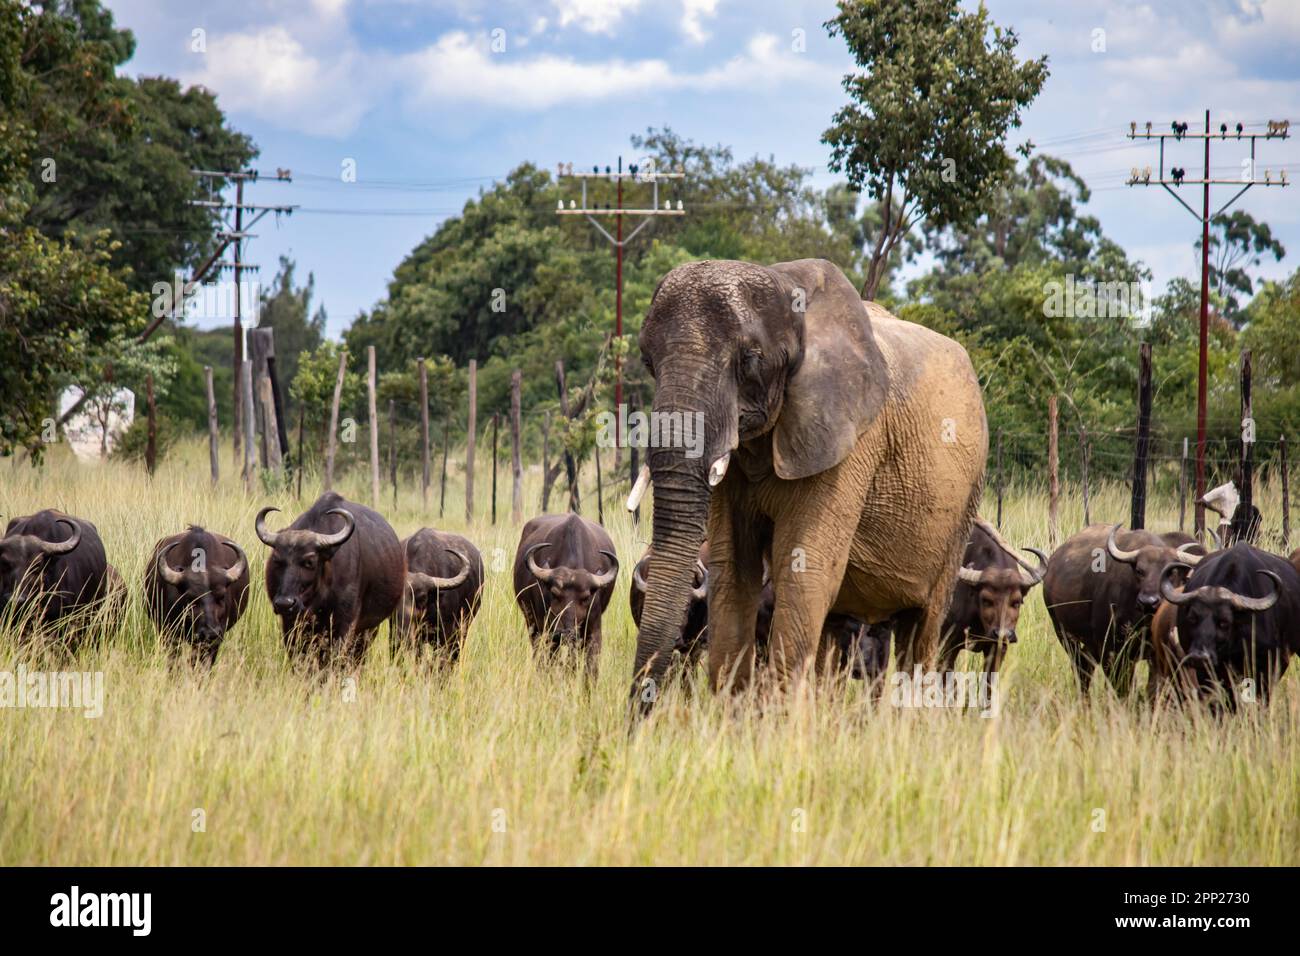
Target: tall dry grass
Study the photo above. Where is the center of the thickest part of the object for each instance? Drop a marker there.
(498, 763)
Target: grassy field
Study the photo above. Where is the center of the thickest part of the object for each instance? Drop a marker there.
(497, 763)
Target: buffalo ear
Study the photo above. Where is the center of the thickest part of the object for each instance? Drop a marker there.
(840, 383)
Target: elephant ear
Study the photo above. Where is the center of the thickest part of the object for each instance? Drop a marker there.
(840, 384)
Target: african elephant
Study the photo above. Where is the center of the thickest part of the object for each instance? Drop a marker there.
(842, 443)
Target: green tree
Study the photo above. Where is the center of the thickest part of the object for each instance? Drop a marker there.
(286, 309)
(1238, 244)
(938, 92)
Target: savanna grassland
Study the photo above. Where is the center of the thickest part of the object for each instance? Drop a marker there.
(499, 763)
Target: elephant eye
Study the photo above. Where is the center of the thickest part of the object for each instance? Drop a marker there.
(751, 362)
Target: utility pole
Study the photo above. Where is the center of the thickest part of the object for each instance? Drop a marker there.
(236, 235)
(1277, 129)
(647, 175)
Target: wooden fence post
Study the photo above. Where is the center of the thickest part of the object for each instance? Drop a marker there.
(334, 422)
(516, 465)
(212, 425)
(392, 448)
(999, 480)
(1182, 488)
(1053, 525)
(424, 435)
(1286, 495)
(1083, 467)
(374, 427)
(570, 467)
(301, 415)
(546, 462)
(1142, 447)
(496, 421)
(261, 348)
(600, 490)
(471, 435)
(151, 444)
(446, 437)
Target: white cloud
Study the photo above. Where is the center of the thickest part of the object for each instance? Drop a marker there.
(693, 12)
(594, 16)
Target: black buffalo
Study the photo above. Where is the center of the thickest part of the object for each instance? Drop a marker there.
(444, 586)
(53, 571)
(333, 577)
(991, 587)
(564, 574)
(693, 639)
(1101, 588)
(1238, 617)
(195, 590)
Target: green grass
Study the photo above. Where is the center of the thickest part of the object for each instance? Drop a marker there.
(499, 763)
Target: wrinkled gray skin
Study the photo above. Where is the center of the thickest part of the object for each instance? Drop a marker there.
(849, 433)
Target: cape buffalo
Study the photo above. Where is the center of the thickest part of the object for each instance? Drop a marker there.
(444, 586)
(1238, 616)
(52, 566)
(991, 586)
(564, 599)
(195, 589)
(693, 639)
(1101, 588)
(333, 576)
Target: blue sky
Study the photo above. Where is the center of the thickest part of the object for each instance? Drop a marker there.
(415, 94)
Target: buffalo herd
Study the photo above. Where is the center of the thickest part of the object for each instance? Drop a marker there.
(1219, 624)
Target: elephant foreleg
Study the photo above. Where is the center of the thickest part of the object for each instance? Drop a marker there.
(735, 590)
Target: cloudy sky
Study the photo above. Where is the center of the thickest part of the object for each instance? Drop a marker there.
(434, 99)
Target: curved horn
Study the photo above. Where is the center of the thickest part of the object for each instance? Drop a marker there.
(638, 576)
(1167, 588)
(338, 537)
(1243, 603)
(971, 576)
(1186, 557)
(1128, 557)
(638, 489)
(238, 569)
(1031, 576)
(701, 592)
(166, 571)
(268, 538)
(452, 582)
(542, 574)
(606, 579)
(63, 547)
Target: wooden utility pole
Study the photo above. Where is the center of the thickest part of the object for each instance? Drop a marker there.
(424, 434)
(237, 360)
(334, 422)
(516, 464)
(1177, 177)
(469, 439)
(1053, 461)
(213, 456)
(1142, 447)
(999, 479)
(246, 388)
(371, 385)
(1247, 437)
(151, 445)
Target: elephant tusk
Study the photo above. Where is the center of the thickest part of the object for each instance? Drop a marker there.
(718, 470)
(638, 489)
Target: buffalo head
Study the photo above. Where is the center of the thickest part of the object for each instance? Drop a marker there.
(1148, 564)
(568, 592)
(298, 573)
(207, 590)
(22, 560)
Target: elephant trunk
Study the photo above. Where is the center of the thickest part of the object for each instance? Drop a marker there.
(681, 511)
